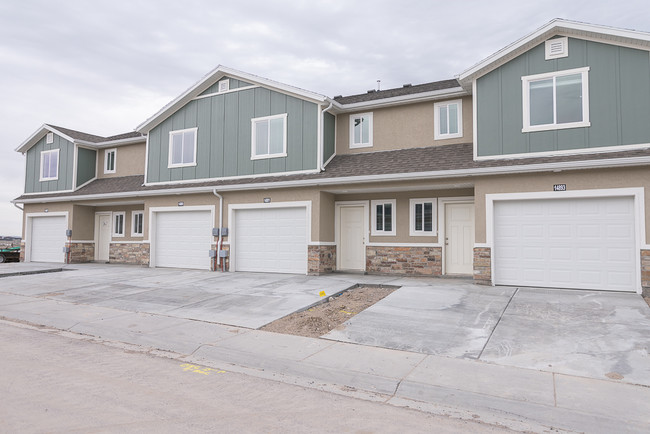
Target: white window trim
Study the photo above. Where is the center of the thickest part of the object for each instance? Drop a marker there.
(106, 152)
(254, 155)
(436, 120)
(373, 217)
(49, 138)
(434, 218)
(370, 128)
(525, 82)
(113, 233)
(40, 174)
(169, 158)
(133, 225)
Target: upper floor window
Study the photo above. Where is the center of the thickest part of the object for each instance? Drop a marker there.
(49, 165)
(118, 224)
(448, 119)
(137, 223)
(182, 148)
(269, 137)
(556, 100)
(109, 160)
(361, 130)
(423, 217)
(383, 217)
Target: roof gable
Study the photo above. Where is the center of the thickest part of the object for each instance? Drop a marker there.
(556, 27)
(213, 77)
(79, 137)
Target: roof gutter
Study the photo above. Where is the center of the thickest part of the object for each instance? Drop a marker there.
(416, 97)
(110, 143)
(438, 174)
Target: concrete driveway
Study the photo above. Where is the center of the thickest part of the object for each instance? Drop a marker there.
(585, 333)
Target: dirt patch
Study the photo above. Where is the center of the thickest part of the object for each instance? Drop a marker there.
(323, 318)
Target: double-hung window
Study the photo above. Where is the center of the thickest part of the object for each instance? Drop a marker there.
(448, 119)
(361, 130)
(118, 224)
(423, 214)
(49, 165)
(109, 160)
(383, 217)
(556, 100)
(269, 137)
(182, 148)
(137, 223)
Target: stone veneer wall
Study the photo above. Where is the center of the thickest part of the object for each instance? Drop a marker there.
(82, 252)
(483, 265)
(645, 272)
(129, 253)
(22, 251)
(421, 261)
(321, 259)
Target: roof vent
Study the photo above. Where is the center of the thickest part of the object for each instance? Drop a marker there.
(407, 85)
(372, 91)
(557, 48)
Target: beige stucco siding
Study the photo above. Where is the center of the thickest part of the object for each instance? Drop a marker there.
(543, 182)
(400, 127)
(83, 223)
(129, 161)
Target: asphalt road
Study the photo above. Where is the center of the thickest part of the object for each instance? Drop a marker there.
(54, 383)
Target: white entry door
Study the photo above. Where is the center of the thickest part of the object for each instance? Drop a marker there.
(183, 239)
(271, 240)
(47, 239)
(582, 243)
(103, 237)
(459, 238)
(351, 242)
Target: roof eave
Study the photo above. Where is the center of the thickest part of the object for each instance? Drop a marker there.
(403, 99)
(36, 136)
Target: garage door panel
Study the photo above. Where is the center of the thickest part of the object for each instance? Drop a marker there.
(586, 243)
(48, 239)
(271, 240)
(183, 239)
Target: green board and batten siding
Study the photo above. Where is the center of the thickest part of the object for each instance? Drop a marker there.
(234, 84)
(224, 136)
(86, 165)
(619, 101)
(329, 139)
(33, 163)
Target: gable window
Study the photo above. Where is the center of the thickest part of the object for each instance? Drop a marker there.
(182, 148)
(49, 138)
(109, 160)
(556, 100)
(361, 130)
(383, 217)
(423, 214)
(137, 223)
(448, 119)
(118, 224)
(49, 165)
(269, 137)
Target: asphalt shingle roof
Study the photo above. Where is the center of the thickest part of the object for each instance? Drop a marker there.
(399, 91)
(78, 135)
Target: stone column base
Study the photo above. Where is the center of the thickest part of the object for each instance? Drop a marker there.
(321, 259)
(82, 252)
(645, 272)
(483, 265)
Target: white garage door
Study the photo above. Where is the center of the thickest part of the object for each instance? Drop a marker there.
(48, 239)
(183, 239)
(271, 240)
(566, 243)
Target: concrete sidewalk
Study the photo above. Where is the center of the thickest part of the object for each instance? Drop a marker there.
(522, 399)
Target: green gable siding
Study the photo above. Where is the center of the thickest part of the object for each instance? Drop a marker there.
(329, 131)
(33, 165)
(619, 101)
(234, 84)
(224, 136)
(86, 165)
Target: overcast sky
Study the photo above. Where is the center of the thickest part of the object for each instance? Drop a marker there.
(103, 67)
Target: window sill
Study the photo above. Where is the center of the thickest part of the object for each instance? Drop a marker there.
(48, 179)
(555, 127)
(424, 234)
(447, 136)
(361, 145)
(382, 234)
(173, 166)
(266, 157)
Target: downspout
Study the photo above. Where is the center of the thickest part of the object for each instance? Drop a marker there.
(16, 205)
(322, 154)
(219, 241)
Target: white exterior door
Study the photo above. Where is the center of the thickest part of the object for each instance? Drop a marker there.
(103, 237)
(582, 243)
(459, 238)
(351, 242)
(183, 239)
(48, 239)
(271, 240)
